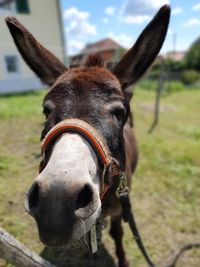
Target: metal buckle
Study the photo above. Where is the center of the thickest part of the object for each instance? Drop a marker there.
(122, 184)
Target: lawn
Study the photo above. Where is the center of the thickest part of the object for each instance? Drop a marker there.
(166, 186)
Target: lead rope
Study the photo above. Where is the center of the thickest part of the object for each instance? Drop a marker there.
(128, 216)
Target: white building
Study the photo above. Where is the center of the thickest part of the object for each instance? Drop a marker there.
(43, 19)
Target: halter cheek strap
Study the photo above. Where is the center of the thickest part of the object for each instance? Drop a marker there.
(111, 168)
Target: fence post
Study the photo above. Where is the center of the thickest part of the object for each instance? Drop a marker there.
(158, 96)
(18, 254)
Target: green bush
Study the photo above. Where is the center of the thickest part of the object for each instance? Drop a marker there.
(192, 59)
(174, 66)
(148, 84)
(169, 86)
(168, 65)
(189, 77)
(174, 86)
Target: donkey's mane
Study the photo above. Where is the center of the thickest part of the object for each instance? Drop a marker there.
(94, 60)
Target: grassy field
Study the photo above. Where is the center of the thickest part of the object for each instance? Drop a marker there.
(166, 185)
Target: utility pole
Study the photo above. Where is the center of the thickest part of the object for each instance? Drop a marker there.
(174, 40)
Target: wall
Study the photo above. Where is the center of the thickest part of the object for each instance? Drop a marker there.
(43, 23)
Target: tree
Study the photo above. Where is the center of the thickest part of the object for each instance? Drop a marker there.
(192, 59)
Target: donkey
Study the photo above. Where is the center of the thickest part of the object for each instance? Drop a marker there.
(66, 193)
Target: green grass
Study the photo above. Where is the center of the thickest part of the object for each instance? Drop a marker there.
(169, 86)
(166, 186)
(20, 105)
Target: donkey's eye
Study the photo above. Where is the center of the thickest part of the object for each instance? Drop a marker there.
(48, 107)
(47, 111)
(119, 113)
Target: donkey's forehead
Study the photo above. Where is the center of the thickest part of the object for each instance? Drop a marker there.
(89, 77)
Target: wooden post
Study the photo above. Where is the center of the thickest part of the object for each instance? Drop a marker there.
(158, 96)
(18, 254)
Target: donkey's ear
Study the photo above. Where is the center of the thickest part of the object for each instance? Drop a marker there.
(138, 59)
(47, 67)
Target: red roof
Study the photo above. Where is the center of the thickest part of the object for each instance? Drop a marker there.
(100, 47)
(177, 55)
(103, 45)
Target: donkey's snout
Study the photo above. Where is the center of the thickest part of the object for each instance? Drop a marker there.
(81, 199)
(56, 205)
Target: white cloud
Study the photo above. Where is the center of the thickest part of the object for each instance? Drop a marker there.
(77, 22)
(73, 12)
(77, 27)
(123, 39)
(142, 7)
(192, 22)
(110, 10)
(140, 11)
(196, 7)
(139, 19)
(74, 46)
(177, 10)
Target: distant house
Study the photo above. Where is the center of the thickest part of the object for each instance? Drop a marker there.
(176, 56)
(42, 18)
(108, 49)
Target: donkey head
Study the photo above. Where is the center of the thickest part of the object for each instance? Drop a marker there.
(64, 198)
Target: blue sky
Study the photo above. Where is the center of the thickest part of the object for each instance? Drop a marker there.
(86, 21)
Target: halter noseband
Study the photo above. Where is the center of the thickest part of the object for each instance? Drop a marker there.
(111, 168)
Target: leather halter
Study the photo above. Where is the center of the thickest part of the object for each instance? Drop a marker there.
(111, 168)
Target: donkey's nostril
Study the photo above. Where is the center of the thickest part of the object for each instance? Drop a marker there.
(84, 197)
(33, 197)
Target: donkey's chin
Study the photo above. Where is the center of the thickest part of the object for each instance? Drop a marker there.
(54, 243)
(57, 236)
(82, 227)
(70, 237)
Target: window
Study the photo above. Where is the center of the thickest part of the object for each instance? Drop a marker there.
(22, 6)
(16, 6)
(12, 64)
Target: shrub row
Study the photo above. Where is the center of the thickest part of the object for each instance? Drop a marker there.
(189, 77)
